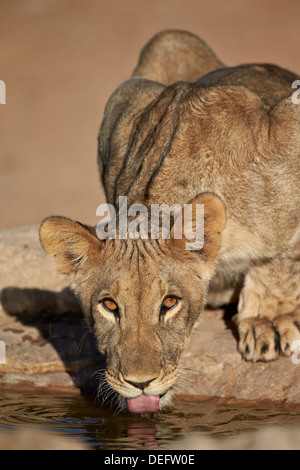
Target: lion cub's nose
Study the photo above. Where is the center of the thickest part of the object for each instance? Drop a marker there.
(140, 385)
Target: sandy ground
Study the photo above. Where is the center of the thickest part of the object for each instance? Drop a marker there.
(61, 59)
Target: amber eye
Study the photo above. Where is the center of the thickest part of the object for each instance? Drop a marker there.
(110, 305)
(170, 302)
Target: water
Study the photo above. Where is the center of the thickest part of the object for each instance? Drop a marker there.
(84, 420)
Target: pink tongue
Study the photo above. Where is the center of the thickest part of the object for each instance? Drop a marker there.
(143, 404)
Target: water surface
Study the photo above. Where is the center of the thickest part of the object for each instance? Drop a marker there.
(84, 420)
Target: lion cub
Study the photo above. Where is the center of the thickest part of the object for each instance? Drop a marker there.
(185, 129)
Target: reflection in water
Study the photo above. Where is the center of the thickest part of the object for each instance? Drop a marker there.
(101, 428)
(143, 435)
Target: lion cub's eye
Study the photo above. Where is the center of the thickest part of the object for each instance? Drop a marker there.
(109, 309)
(110, 305)
(169, 307)
(170, 302)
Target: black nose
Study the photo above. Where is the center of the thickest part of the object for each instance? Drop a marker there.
(140, 385)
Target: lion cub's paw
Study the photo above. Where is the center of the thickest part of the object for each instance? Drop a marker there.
(288, 327)
(264, 340)
(259, 339)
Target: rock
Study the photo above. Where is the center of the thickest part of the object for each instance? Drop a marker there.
(49, 353)
(214, 368)
(48, 346)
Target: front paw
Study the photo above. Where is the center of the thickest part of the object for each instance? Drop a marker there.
(259, 339)
(264, 340)
(288, 327)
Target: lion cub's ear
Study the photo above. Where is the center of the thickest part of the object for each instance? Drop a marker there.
(68, 241)
(204, 218)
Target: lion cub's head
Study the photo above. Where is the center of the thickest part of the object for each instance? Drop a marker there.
(141, 299)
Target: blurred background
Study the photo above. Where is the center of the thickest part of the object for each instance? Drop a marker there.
(61, 60)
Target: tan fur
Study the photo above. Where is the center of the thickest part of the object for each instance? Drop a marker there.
(173, 56)
(230, 141)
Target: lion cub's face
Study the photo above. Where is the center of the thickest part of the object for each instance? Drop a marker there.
(140, 297)
(143, 303)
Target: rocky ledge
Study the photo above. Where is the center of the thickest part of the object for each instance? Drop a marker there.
(46, 346)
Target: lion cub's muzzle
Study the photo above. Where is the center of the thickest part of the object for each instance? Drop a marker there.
(138, 370)
(144, 394)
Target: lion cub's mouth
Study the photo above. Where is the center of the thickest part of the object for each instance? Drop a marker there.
(143, 404)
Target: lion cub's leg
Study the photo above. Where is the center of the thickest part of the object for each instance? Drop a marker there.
(269, 308)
